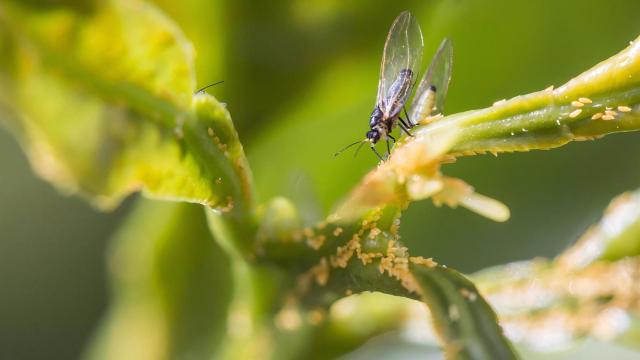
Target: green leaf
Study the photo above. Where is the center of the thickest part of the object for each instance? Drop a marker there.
(465, 322)
(97, 117)
(354, 320)
(534, 298)
(614, 237)
(602, 100)
(170, 286)
(585, 291)
(371, 259)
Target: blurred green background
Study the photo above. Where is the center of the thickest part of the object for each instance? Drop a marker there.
(300, 82)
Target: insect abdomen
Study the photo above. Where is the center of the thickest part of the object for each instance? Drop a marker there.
(398, 92)
(424, 105)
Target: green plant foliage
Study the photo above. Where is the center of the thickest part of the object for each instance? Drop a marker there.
(588, 290)
(583, 292)
(103, 103)
(615, 237)
(126, 127)
(450, 293)
(170, 284)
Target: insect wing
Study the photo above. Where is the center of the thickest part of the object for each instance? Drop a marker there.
(402, 51)
(438, 75)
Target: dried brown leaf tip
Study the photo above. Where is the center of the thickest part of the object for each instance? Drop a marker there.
(413, 173)
(386, 184)
(225, 208)
(456, 192)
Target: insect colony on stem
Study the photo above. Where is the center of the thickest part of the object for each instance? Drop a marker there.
(401, 60)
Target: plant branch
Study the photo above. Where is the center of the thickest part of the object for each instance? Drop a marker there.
(602, 100)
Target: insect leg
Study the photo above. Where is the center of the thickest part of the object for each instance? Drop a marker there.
(408, 118)
(377, 153)
(404, 123)
(388, 148)
(392, 138)
(404, 127)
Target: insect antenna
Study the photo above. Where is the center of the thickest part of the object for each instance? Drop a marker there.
(208, 86)
(348, 146)
(358, 149)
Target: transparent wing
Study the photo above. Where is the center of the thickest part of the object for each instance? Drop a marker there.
(438, 75)
(402, 51)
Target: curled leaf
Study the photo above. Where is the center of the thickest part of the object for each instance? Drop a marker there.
(97, 118)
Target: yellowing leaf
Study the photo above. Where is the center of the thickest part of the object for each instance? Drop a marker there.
(105, 106)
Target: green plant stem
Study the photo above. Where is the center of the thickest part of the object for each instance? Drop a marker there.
(553, 117)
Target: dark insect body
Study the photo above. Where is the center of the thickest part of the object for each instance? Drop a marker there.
(400, 60)
(386, 114)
